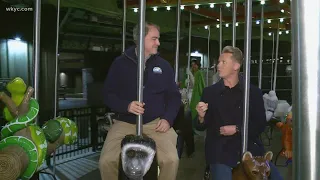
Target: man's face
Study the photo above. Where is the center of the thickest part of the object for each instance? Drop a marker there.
(151, 41)
(227, 66)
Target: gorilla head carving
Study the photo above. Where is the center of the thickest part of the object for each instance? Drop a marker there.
(137, 156)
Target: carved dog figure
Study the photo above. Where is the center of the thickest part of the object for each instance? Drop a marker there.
(253, 168)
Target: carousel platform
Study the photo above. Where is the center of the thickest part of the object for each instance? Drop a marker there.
(86, 167)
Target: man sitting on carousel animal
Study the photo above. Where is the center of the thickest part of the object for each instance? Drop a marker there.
(162, 101)
(220, 112)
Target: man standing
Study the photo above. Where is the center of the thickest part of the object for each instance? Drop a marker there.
(220, 110)
(160, 107)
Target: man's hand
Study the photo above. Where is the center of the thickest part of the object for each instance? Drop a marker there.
(201, 109)
(135, 107)
(162, 126)
(228, 130)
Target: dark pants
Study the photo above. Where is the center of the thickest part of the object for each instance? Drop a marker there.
(224, 172)
(183, 125)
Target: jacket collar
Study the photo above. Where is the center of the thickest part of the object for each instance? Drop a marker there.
(132, 55)
(240, 84)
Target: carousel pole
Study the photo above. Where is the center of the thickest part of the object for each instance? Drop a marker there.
(189, 51)
(220, 32)
(276, 59)
(306, 80)
(177, 41)
(141, 58)
(37, 25)
(261, 46)
(208, 64)
(272, 61)
(234, 21)
(56, 81)
(124, 25)
(247, 55)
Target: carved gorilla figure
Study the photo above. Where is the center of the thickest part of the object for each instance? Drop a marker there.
(137, 160)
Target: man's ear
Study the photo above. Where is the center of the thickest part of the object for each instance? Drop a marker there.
(236, 66)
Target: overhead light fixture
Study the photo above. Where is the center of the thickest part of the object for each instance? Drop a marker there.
(237, 24)
(218, 19)
(206, 27)
(257, 22)
(168, 8)
(269, 21)
(182, 7)
(135, 9)
(228, 4)
(262, 2)
(211, 5)
(280, 32)
(17, 39)
(287, 31)
(281, 19)
(282, 10)
(281, 1)
(270, 33)
(217, 26)
(155, 8)
(227, 25)
(196, 6)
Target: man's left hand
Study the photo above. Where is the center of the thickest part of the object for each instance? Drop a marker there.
(162, 126)
(228, 130)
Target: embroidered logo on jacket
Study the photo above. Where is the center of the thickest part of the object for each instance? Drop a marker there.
(157, 70)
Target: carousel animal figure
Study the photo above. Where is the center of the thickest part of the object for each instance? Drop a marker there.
(24, 145)
(270, 104)
(253, 168)
(286, 139)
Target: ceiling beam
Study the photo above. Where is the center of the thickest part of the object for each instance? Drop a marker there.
(158, 3)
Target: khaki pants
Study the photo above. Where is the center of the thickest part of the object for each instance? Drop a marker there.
(166, 150)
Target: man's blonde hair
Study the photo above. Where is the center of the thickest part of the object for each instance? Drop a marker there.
(236, 53)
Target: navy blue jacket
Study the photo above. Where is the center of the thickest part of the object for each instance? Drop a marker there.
(160, 92)
(227, 149)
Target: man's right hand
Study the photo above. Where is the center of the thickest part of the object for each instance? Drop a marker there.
(135, 107)
(201, 109)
